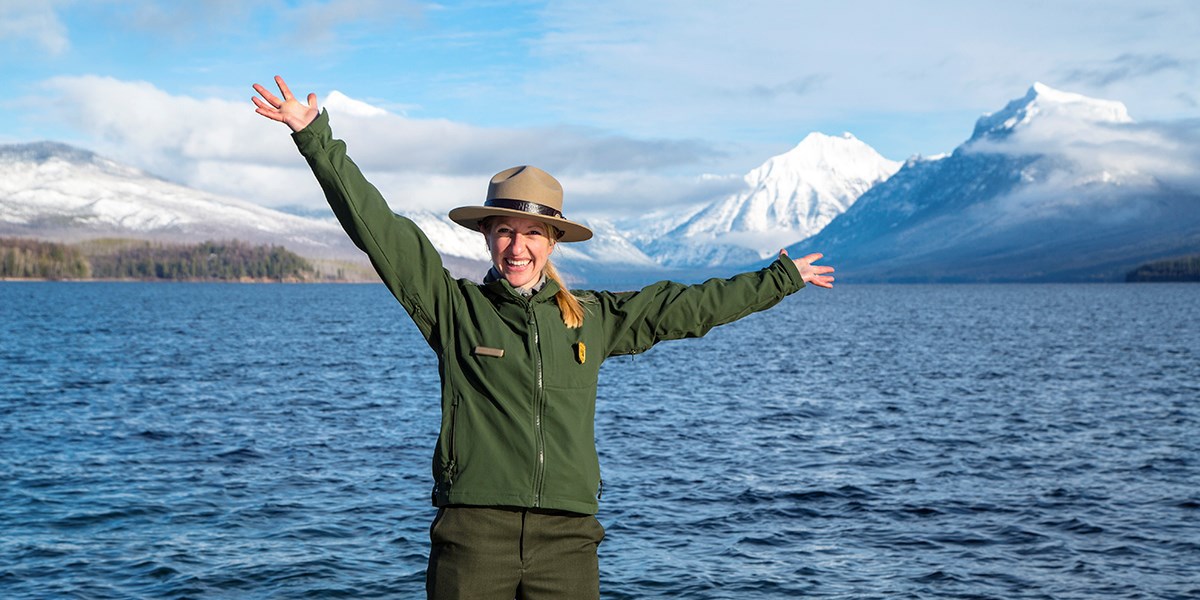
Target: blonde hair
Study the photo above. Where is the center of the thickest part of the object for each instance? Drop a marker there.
(568, 304)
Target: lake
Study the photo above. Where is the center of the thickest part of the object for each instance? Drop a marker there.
(937, 441)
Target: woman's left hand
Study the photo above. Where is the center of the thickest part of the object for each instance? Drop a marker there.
(810, 273)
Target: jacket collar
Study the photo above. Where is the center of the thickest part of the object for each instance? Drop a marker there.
(499, 286)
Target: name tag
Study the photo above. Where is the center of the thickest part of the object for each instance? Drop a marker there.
(485, 351)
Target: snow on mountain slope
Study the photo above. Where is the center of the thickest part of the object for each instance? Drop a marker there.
(1056, 186)
(56, 191)
(788, 198)
(1042, 103)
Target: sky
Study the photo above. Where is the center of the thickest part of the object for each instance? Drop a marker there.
(639, 108)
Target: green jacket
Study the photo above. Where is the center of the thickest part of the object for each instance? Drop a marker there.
(519, 386)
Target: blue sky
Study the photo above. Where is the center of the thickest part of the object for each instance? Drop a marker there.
(632, 104)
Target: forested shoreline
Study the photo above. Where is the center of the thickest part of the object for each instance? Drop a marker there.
(1186, 268)
(237, 261)
(153, 261)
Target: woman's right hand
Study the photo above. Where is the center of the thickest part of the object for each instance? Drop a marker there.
(288, 111)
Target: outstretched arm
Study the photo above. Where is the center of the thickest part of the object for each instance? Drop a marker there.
(810, 273)
(289, 110)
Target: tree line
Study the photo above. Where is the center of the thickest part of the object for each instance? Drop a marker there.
(1186, 268)
(126, 259)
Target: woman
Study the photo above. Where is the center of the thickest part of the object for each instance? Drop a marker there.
(516, 476)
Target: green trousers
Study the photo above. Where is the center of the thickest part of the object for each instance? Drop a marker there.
(493, 553)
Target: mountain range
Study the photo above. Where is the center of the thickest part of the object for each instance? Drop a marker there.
(1053, 187)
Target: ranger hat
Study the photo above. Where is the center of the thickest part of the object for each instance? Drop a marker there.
(526, 192)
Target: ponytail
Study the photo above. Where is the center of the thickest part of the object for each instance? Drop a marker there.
(568, 304)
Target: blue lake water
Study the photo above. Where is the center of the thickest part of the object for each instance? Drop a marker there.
(273, 441)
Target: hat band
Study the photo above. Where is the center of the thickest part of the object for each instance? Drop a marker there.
(523, 206)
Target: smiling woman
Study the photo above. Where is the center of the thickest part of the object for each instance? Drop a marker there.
(516, 474)
(522, 221)
(520, 250)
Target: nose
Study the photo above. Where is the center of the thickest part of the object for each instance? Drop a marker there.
(518, 243)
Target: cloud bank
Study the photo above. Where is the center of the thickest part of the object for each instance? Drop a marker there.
(224, 147)
(1107, 171)
(1131, 153)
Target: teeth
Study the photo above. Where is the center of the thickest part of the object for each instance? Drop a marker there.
(517, 263)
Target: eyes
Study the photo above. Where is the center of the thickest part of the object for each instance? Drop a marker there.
(507, 231)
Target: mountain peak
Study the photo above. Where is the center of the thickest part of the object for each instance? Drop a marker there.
(1041, 101)
(789, 197)
(818, 137)
(40, 152)
(816, 152)
(55, 156)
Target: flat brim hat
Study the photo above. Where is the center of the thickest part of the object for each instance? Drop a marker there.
(526, 192)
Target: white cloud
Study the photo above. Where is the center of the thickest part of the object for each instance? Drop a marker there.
(753, 66)
(36, 22)
(320, 22)
(310, 27)
(1107, 171)
(1124, 67)
(224, 147)
(1089, 151)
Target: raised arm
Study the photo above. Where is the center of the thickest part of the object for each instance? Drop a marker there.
(402, 255)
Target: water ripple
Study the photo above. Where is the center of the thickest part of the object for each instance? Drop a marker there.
(930, 442)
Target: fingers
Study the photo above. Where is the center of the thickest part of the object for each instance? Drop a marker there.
(819, 280)
(272, 115)
(813, 274)
(266, 110)
(312, 101)
(825, 282)
(283, 88)
(268, 96)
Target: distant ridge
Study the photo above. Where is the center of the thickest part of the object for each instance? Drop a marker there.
(40, 152)
(1184, 269)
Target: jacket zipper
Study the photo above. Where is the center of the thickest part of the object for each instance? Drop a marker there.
(452, 465)
(538, 405)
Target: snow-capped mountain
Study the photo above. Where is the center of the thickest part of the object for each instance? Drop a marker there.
(1055, 186)
(788, 198)
(1042, 102)
(57, 192)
